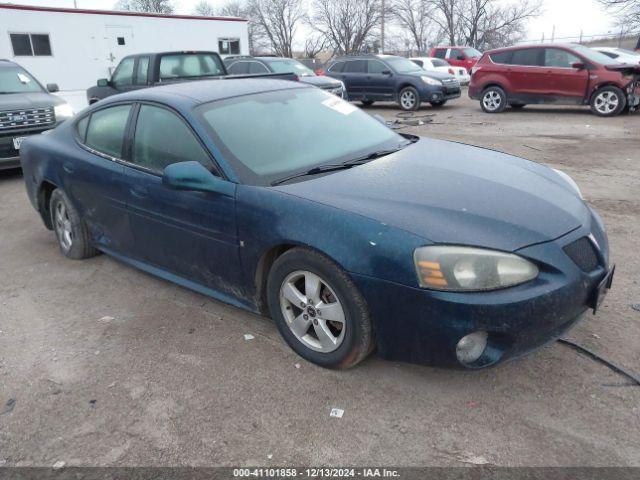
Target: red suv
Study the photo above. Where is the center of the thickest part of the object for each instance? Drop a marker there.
(457, 56)
(557, 74)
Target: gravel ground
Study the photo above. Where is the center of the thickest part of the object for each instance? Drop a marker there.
(101, 364)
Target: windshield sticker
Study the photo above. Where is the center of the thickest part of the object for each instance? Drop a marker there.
(23, 78)
(339, 105)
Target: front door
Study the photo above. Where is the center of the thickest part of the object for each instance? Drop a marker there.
(565, 82)
(190, 234)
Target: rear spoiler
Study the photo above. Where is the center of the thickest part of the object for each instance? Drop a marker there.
(276, 76)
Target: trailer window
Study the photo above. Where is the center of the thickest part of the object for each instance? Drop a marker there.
(229, 46)
(30, 44)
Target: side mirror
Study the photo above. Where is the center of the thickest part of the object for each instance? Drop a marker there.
(195, 177)
(578, 65)
(52, 87)
(103, 82)
(386, 72)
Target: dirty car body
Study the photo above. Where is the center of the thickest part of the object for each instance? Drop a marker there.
(372, 219)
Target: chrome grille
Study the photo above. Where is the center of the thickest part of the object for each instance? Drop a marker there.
(30, 117)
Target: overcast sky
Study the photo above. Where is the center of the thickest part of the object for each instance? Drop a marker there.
(568, 16)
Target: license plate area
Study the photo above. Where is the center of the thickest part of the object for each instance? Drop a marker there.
(603, 289)
(17, 141)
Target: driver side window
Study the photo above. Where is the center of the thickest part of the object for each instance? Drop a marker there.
(162, 138)
(124, 73)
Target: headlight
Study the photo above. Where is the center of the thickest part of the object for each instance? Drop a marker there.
(431, 81)
(570, 181)
(64, 111)
(459, 269)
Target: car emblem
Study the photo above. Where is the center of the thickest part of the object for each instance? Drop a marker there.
(17, 118)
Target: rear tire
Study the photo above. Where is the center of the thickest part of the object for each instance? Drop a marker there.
(608, 101)
(367, 103)
(318, 309)
(71, 232)
(493, 100)
(409, 99)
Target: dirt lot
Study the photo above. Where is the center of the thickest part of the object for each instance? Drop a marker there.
(101, 364)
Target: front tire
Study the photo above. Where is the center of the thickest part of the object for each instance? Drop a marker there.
(409, 99)
(71, 232)
(318, 310)
(494, 100)
(608, 101)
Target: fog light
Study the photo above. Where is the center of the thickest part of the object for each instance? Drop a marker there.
(470, 347)
(434, 96)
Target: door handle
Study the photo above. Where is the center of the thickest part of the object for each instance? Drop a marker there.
(67, 167)
(139, 191)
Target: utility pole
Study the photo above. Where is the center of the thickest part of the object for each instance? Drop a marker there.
(75, 3)
(382, 6)
(553, 34)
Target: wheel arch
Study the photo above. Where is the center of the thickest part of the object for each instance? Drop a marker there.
(45, 189)
(599, 86)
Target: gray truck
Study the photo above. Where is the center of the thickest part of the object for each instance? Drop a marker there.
(150, 69)
(26, 108)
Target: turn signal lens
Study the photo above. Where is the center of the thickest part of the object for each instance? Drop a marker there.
(454, 268)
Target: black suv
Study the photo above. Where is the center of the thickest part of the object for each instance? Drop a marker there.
(26, 108)
(371, 78)
(242, 65)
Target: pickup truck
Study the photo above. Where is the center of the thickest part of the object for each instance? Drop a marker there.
(145, 70)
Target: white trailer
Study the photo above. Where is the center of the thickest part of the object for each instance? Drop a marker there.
(74, 47)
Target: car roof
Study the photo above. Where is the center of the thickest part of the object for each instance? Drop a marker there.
(178, 52)
(367, 56)
(4, 62)
(203, 91)
(570, 46)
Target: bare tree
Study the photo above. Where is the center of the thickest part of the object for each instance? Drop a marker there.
(204, 9)
(153, 6)
(414, 18)
(627, 11)
(314, 44)
(348, 25)
(277, 22)
(483, 23)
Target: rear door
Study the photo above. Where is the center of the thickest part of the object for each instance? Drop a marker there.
(189, 234)
(527, 76)
(565, 82)
(95, 178)
(354, 76)
(380, 86)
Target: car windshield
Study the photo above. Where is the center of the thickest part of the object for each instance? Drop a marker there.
(17, 80)
(269, 136)
(183, 65)
(594, 55)
(290, 66)
(402, 65)
(471, 52)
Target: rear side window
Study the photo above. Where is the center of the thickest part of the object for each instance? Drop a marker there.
(501, 57)
(162, 138)
(420, 63)
(457, 54)
(558, 58)
(439, 63)
(336, 67)
(124, 73)
(105, 132)
(142, 71)
(239, 68)
(440, 52)
(527, 57)
(355, 66)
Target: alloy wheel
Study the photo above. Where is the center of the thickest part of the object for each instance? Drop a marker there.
(408, 99)
(491, 100)
(606, 102)
(63, 226)
(312, 311)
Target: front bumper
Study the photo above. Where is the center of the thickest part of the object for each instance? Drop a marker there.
(423, 326)
(9, 156)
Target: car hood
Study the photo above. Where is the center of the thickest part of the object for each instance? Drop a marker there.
(17, 101)
(625, 68)
(448, 192)
(321, 81)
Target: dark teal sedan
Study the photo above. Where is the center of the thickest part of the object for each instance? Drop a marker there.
(285, 200)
